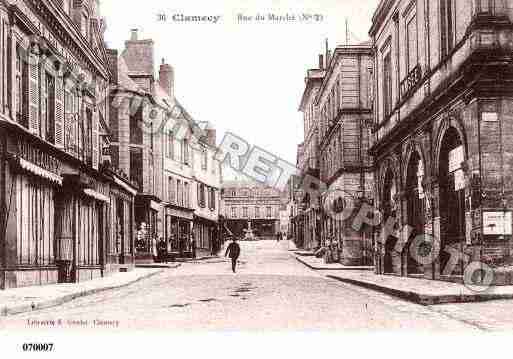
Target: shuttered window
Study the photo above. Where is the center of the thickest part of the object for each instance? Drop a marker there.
(387, 84)
(33, 95)
(48, 95)
(58, 105)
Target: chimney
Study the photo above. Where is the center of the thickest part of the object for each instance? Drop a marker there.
(135, 35)
(211, 136)
(321, 62)
(167, 78)
(139, 59)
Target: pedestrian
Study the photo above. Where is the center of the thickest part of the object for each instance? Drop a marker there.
(213, 252)
(233, 251)
(193, 246)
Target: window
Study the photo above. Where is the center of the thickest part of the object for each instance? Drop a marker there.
(179, 193)
(171, 190)
(186, 193)
(170, 145)
(204, 159)
(411, 42)
(257, 212)
(234, 193)
(71, 128)
(201, 195)
(136, 166)
(49, 100)
(234, 212)
(387, 84)
(269, 212)
(136, 135)
(35, 222)
(21, 87)
(446, 26)
(212, 205)
(245, 212)
(185, 152)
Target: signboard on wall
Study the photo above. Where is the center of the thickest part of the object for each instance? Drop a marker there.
(456, 157)
(497, 223)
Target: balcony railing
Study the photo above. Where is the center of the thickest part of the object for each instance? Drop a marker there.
(409, 84)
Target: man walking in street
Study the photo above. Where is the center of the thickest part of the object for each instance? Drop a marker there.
(233, 251)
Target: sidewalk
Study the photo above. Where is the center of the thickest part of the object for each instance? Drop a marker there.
(27, 299)
(313, 262)
(421, 291)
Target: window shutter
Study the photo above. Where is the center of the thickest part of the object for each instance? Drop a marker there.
(44, 95)
(95, 143)
(59, 112)
(33, 99)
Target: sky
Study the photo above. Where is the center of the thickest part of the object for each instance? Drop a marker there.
(243, 77)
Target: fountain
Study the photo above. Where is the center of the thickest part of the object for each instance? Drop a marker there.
(248, 233)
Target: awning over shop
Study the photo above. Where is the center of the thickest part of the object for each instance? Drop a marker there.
(96, 195)
(125, 186)
(38, 171)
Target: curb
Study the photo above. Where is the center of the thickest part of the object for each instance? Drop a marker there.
(424, 299)
(157, 265)
(324, 268)
(45, 304)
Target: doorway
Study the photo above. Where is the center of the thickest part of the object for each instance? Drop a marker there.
(452, 199)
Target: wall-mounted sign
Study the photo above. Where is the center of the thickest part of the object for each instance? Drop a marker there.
(489, 116)
(459, 180)
(456, 157)
(497, 223)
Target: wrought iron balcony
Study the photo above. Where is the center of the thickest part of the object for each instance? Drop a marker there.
(409, 84)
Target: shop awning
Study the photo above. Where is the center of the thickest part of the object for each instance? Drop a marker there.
(96, 195)
(38, 171)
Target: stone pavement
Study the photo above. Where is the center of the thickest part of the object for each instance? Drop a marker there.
(27, 299)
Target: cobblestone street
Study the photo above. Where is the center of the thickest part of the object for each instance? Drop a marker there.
(270, 291)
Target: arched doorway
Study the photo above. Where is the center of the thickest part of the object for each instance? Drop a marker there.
(415, 209)
(389, 211)
(452, 198)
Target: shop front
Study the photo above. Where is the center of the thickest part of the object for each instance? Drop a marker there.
(81, 229)
(178, 229)
(206, 233)
(120, 248)
(30, 178)
(147, 218)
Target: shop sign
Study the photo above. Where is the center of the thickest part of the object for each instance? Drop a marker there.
(489, 117)
(37, 157)
(497, 223)
(456, 157)
(459, 180)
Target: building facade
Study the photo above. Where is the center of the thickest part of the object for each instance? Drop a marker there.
(345, 106)
(309, 221)
(55, 190)
(247, 203)
(442, 135)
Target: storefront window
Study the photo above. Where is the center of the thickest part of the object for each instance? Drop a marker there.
(35, 221)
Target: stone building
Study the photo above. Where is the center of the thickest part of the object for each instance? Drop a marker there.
(309, 221)
(54, 187)
(345, 118)
(442, 135)
(166, 152)
(248, 202)
(135, 141)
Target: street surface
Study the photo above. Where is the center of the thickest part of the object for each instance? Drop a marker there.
(270, 291)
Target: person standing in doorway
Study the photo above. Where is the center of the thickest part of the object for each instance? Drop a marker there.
(233, 251)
